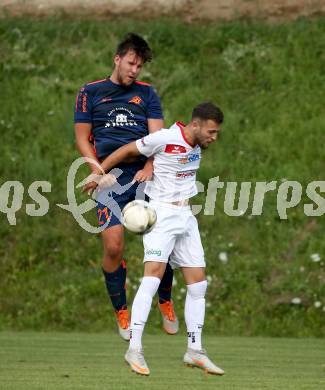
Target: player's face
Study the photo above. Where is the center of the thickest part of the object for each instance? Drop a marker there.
(127, 68)
(206, 132)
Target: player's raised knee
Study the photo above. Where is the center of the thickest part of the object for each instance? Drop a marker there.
(153, 268)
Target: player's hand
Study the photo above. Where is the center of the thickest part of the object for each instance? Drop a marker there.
(90, 187)
(107, 180)
(144, 174)
(90, 183)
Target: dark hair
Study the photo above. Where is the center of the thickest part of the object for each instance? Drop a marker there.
(207, 111)
(134, 42)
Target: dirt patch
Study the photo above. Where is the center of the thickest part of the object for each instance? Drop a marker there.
(260, 9)
(186, 9)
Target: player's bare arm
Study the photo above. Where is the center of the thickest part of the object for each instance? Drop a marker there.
(145, 174)
(82, 133)
(86, 149)
(127, 151)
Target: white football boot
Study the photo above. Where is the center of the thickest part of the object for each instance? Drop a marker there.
(199, 358)
(135, 358)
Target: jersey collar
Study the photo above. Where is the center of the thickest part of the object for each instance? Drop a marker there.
(181, 127)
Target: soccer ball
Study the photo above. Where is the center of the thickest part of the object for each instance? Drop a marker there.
(139, 217)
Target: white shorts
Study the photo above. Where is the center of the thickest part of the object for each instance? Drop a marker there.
(175, 237)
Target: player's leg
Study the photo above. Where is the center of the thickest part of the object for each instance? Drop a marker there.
(165, 304)
(110, 203)
(188, 254)
(158, 245)
(195, 355)
(153, 273)
(114, 267)
(165, 287)
(194, 311)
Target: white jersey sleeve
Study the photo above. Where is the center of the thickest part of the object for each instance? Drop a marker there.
(152, 143)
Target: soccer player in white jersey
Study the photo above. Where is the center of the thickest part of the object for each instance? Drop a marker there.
(177, 154)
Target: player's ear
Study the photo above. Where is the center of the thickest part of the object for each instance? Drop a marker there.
(196, 123)
(117, 59)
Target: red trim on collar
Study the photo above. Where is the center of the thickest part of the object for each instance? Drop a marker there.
(181, 127)
(95, 82)
(142, 83)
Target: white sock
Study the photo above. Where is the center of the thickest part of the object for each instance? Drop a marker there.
(194, 313)
(141, 308)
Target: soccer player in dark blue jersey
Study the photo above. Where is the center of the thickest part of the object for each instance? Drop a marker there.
(110, 113)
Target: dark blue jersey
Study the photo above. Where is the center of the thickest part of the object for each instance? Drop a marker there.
(118, 114)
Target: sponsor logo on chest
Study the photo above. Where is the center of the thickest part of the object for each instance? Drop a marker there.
(190, 158)
(175, 149)
(185, 174)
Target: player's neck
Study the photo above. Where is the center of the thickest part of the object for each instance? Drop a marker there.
(188, 134)
(114, 79)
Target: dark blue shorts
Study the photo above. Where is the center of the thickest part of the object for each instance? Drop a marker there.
(111, 201)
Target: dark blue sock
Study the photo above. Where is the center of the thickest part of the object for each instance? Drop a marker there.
(115, 284)
(165, 287)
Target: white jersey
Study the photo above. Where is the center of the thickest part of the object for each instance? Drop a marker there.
(175, 164)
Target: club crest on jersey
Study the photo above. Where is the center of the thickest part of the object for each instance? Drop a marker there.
(175, 149)
(120, 117)
(135, 100)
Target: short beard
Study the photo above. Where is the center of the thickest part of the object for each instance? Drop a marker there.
(121, 82)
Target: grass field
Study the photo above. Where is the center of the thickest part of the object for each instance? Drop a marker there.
(45, 361)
